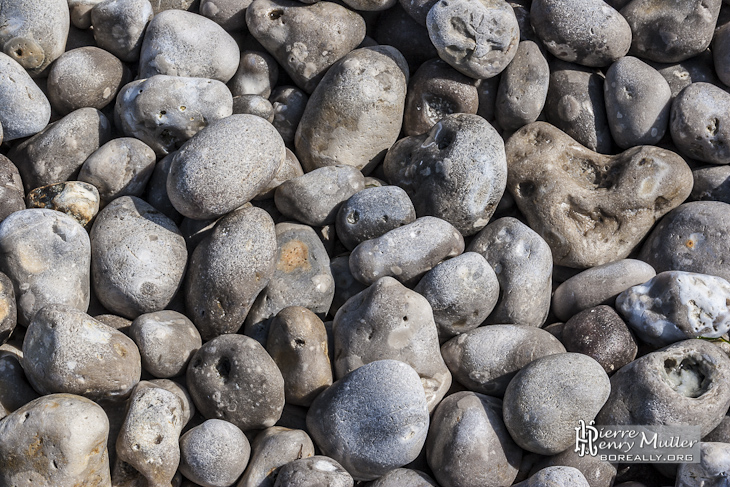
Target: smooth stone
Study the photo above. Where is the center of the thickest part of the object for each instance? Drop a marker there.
(315, 197)
(523, 87)
(389, 321)
(56, 153)
(586, 32)
(668, 32)
(162, 5)
(291, 168)
(58, 439)
(66, 350)
(675, 306)
(575, 104)
(468, 443)
(478, 38)
(15, 390)
(462, 292)
(547, 397)
(47, 255)
(398, 29)
(406, 253)
(691, 238)
(601, 334)
(166, 340)
(372, 212)
(257, 74)
(699, 123)
(138, 258)
(638, 100)
(233, 378)
(314, 471)
(305, 39)
(523, 263)
(248, 151)
(214, 454)
(697, 69)
(720, 53)
(487, 358)
(346, 286)
(165, 111)
(121, 167)
(229, 14)
(298, 343)
(80, 11)
(554, 476)
(713, 467)
(457, 171)
(77, 199)
(119, 26)
(346, 423)
(403, 477)
(355, 114)
(254, 105)
(597, 472)
(686, 383)
(289, 104)
(169, 49)
(711, 183)
(272, 449)
(435, 91)
(26, 110)
(8, 308)
(604, 206)
(12, 195)
(34, 32)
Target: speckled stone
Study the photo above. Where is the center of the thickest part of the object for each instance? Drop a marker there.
(80, 11)
(553, 476)
(26, 110)
(11, 188)
(403, 477)
(119, 26)
(713, 467)
(162, 5)
(77, 199)
(8, 308)
(291, 168)
(214, 454)
(314, 471)
(15, 390)
(254, 105)
(166, 341)
(272, 449)
(721, 433)
(711, 183)
(66, 350)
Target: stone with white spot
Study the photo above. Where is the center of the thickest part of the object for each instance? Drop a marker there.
(214, 454)
(166, 340)
(257, 74)
(8, 308)
(313, 472)
(289, 103)
(77, 199)
(272, 449)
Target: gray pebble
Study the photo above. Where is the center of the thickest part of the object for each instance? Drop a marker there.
(315, 197)
(720, 53)
(119, 26)
(346, 419)
(138, 258)
(15, 390)
(77, 199)
(699, 68)
(477, 37)
(162, 5)
(254, 105)
(257, 74)
(407, 252)
(272, 449)
(686, 383)
(214, 454)
(314, 471)
(713, 467)
(468, 443)
(177, 388)
(597, 472)
(165, 111)
(487, 358)
(545, 400)
(26, 110)
(403, 477)
(389, 321)
(229, 14)
(80, 11)
(346, 286)
(156, 190)
(487, 92)
(8, 308)
(289, 169)
(721, 433)
(12, 195)
(248, 151)
(554, 476)
(711, 183)
(66, 350)
(398, 29)
(371, 212)
(168, 48)
(47, 255)
(523, 264)
(233, 378)
(457, 171)
(289, 103)
(56, 154)
(166, 341)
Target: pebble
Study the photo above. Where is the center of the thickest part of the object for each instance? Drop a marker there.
(233, 378)
(166, 340)
(710, 184)
(26, 110)
(8, 308)
(119, 26)
(229, 14)
(289, 169)
(457, 171)
(257, 74)
(289, 104)
(65, 350)
(407, 252)
(214, 454)
(80, 11)
(11, 188)
(720, 52)
(700, 68)
(389, 321)
(713, 467)
(254, 105)
(403, 477)
(314, 471)
(398, 29)
(469, 425)
(272, 449)
(604, 206)
(598, 473)
(15, 390)
(486, 359)
(47, 255)
(553, 476)
(477, 37)
(522, 261)
(77, 199)
(346, 419)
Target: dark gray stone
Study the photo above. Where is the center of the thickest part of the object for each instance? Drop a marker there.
(8, 308)
(711, 183)
(229, 14)
(346, 286)
(398, 29)
(713, 467)
(119, 26)
(699, 68)
(289, 103)
(156, 191)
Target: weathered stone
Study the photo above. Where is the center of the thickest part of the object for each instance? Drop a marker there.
(289, 104)
(15, 390)
(597, 472)
(313, 472)
(77, 199)
(214, 454)
(257, 74)
(166, 341)
(711, 183)
(8, 308)
(559, 475)
(26, 110)
(254, 105)
(11, 187)
(272, 449)
(403, 477)
(119, 26)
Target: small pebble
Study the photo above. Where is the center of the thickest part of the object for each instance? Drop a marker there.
(314, 471)
(403, 477)
(166, 341)
(214, 454)
(229, 14)
(77, 199)
(272, 449)
(119, 26)
(713, 467)
(257, 74)
(11, 188)
(554, 476)
(289, 104)
(254, 105)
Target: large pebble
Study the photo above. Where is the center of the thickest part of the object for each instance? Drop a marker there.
(77, 199)
(66, 350)
(346, 420)
(26, 110)
(58, 439)
(168, 48)
(119, 26)
(407, 252)
(8, 308)
(604, 206)
(214, 454)
(233, 378)
(487, 358)
(166, 341)
(356, 112)
(248, 151)
(47, 255)
(314, 471)
(272, 449)
(389, 321)
(469, 445)
(713, 467)
(457, 171)
(305, 39)
(545, 400)
(687, 383)
(138, 258)
(11, 188)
